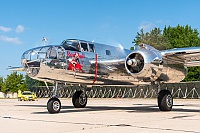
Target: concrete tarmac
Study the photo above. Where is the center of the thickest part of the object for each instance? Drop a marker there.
(100, 116)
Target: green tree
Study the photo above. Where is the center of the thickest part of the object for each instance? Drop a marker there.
(1, 82)
(154, 38)
(193, 74)
(182, 36)
(32, 83)
(13, 82)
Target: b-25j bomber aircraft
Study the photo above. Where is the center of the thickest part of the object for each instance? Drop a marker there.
(87, 63)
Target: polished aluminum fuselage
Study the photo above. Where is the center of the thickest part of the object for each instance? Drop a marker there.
(104, 65)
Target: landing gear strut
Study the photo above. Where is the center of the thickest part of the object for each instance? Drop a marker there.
(79, 100)
(54, 104)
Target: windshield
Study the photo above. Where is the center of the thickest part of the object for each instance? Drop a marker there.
(71, 45)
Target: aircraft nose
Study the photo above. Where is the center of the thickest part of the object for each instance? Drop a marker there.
(32, 59)
(30, 62)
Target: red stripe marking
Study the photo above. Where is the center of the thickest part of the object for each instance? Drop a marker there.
(96, 68)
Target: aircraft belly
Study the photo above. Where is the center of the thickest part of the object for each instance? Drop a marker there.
(52, 73)
(104, 76)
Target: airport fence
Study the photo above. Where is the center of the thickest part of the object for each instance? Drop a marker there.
(179, 90)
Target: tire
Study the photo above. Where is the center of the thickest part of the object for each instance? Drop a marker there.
(165, 100)
(79, 99)
(53, 105)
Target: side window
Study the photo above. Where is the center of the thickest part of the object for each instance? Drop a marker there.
(61, 53)
(91, 47)
(108, 52)
(52, 53)
(84, 46)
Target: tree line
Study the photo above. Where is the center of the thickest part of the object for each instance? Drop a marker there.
(170, 37)
(15, 81)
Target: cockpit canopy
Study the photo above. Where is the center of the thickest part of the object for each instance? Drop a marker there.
(78, 45)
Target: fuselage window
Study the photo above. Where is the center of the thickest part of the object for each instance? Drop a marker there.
(52, 53)
(61, 53)
(84, 46)
(91, 47)
(108, 52)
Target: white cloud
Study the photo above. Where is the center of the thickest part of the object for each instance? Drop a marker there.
(10, 39)
(158, 21)
(5, 29)
(146, 26)
(19, 29)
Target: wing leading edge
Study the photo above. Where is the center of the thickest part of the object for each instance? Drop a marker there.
(189, 56)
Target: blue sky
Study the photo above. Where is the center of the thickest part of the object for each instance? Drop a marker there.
(23, 23)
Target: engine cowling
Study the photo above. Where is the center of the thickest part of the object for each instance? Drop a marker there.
(144, 64)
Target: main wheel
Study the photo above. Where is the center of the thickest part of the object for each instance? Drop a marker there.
(165, 100)
(53, 105)
(79, 99)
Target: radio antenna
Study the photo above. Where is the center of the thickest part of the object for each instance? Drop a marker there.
(44, 39)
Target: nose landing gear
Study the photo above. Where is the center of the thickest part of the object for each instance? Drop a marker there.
(53, 105)
(79, 100)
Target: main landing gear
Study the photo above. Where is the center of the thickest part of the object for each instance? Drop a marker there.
(79, 100)
(165, 99)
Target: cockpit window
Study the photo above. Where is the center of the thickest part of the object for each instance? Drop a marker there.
(84, 46)
(71, 45)
(91, 47)
(76, 45)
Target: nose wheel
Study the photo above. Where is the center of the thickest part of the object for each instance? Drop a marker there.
(79, 99)
(53, 105)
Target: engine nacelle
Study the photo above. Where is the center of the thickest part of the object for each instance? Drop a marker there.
(144, 63)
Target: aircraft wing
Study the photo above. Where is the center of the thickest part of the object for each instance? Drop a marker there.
(189, 56)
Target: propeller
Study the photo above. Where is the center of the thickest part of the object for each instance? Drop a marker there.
(135, 63)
